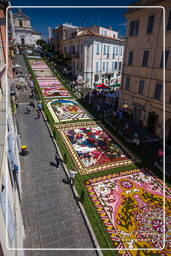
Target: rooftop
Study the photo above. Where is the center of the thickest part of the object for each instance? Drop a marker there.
(20, 14)
(142, 3)
(89, 32)
(67, 24)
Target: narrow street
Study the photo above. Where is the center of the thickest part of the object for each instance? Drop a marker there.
(52, 218)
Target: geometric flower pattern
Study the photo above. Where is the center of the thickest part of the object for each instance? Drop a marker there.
(66, 110)
(130, 205)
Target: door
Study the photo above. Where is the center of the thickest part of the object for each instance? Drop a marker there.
(137, 116)
(22, 40)
(152, 122)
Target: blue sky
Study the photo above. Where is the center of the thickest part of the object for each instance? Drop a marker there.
(43, 18)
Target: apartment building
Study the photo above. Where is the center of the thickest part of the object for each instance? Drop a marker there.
(96, 53)
(11, 224)
(142, 75)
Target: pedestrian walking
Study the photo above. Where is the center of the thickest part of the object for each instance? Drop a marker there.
(27, 108)
(72, 176)
(39, 106)
(38, 113)
(57, 160)
(32, 104)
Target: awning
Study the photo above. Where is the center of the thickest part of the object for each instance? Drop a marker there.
(115, 85)
(102, 86)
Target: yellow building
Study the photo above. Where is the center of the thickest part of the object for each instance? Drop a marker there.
(142, 74)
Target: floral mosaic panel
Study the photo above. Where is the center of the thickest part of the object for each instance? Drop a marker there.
(47, 83)
(38, 64)
(45, 78)
(55, 91)
(66, 110)
(130, 205)
(92, 148)
(43, 73)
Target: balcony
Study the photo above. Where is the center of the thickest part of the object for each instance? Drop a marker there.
(74, 55)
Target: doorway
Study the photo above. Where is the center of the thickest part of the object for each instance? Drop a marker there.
(137, 116)
(22, 40)
(168, 132)
(152, 122)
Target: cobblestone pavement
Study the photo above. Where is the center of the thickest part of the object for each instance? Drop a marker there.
(52, 218)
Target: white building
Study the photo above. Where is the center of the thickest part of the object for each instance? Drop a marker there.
(96, 53)
(24, 34)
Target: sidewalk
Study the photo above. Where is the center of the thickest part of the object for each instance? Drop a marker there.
(51, 215)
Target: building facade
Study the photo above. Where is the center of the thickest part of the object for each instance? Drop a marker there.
(24, 34)
(96, 53)
(12, 229)
(142, 76)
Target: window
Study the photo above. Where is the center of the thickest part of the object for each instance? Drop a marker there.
(77, 65)
(130, 58)
(166, 58)
(169, 22)
(150, 24)
(73, 49)
(105, 32)
(158, 90)
(97, 67)
(7, 212)
(108, 51)
(116, 50)
(120, 65)
(116, 65)
(133, 28)
(113, 66)
(145, 58)
(120, 50)
(22, 41)
(141, 87)
(104, 50)
(20, 23)
(97, 49)
(107, 66)
(77, 48)
(169, 99)
(127, 84)
(103, 66)
(113, 51)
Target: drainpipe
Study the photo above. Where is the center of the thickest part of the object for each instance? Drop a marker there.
(123, 69)
(101, 66)
(92, 65)
(148, 93)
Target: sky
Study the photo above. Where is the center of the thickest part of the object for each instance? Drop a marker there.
(42, 18)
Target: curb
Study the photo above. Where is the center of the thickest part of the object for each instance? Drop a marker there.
(90, 230)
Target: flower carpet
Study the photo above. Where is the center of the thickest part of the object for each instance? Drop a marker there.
(43, 73)
(91, 148)
(66, 110)
(59, 91)
(46, 84)
(130, 206)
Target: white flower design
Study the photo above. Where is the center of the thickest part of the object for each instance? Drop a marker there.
(102, 189)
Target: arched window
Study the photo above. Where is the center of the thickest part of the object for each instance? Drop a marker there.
(20, 23)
